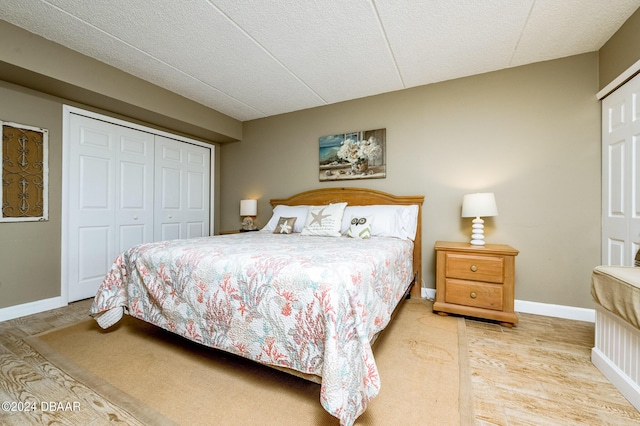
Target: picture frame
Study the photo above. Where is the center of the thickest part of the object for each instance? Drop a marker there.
(353, 155)
(25, 173)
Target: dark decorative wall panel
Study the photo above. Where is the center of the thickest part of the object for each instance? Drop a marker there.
(24, 173)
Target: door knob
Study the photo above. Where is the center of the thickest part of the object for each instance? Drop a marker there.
(474, 268)
(473, 295)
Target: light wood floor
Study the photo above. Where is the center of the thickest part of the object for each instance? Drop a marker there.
(27, 377)
(538, 373)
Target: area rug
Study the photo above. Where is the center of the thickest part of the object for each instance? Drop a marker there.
(161, 378)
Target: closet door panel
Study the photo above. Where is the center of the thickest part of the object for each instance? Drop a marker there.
(195, 230)
(135, 184)
(182, 189)
(197, 212)
(131, 235)
(620, 174)
(94, 244)
(615, 201)
(196, 225)
(634, 183)
(169, 199)
(93, 239)
(91, 211)
(170, 231)
(110, 199)
(132, 186)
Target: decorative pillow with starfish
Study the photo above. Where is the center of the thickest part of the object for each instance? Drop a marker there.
(285, 225)
(324, 221)
(299, 212)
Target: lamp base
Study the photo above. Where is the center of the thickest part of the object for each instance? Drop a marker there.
(477, 233)
(247, 224)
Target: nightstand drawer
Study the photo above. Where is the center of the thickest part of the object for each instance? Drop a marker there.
(487, 296)
(475, 268)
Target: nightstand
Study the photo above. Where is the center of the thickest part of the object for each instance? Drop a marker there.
(238, 231)
(476, 281)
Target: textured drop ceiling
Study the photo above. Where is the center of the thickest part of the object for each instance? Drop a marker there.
(257, 58)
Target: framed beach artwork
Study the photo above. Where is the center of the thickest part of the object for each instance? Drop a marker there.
(25, 173)
(353, 155)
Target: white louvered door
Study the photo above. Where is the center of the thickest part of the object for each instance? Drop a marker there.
(620, 174)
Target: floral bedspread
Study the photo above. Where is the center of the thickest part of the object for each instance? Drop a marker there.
(306, 303)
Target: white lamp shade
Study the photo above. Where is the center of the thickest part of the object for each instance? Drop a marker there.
(248, 207)
(479, 205)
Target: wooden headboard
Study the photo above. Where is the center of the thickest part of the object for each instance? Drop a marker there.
(364, 197)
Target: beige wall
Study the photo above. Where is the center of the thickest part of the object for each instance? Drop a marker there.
(30, 251)
(621, 51)
(54, 75)
(36, 78)
(530, 134)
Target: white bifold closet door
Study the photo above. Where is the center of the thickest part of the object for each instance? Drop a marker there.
(128, 187)
(621, 174)
(182, 190)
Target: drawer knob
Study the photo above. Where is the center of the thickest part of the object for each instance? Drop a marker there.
(473, 295)
(474, 268)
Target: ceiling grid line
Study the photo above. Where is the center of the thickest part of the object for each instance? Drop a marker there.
(268, 52)
(259, 58)
(388, 43)
(524, 26)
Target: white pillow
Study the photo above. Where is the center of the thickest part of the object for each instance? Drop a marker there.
(409, 217)
(324, 221)
(299, 212)
(387, 220)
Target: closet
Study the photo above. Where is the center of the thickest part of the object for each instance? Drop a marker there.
(123, 185)
(620, 174)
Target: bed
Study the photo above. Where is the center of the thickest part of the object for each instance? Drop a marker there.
(616, 353)
(307, 294)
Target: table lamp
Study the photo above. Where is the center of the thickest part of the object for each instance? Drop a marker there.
(248, 209)
(479, 205)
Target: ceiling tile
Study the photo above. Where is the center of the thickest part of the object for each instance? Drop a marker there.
(265, 57)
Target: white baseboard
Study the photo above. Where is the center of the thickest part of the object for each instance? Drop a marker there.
(30, 308)
(537, 308)
(428, 293)
(558, 311)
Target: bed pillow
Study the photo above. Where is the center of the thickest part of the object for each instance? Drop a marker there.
(324, 221)
(390, 220)
(409, 218)
(360, 227)
(285, 225)
(299, 212)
